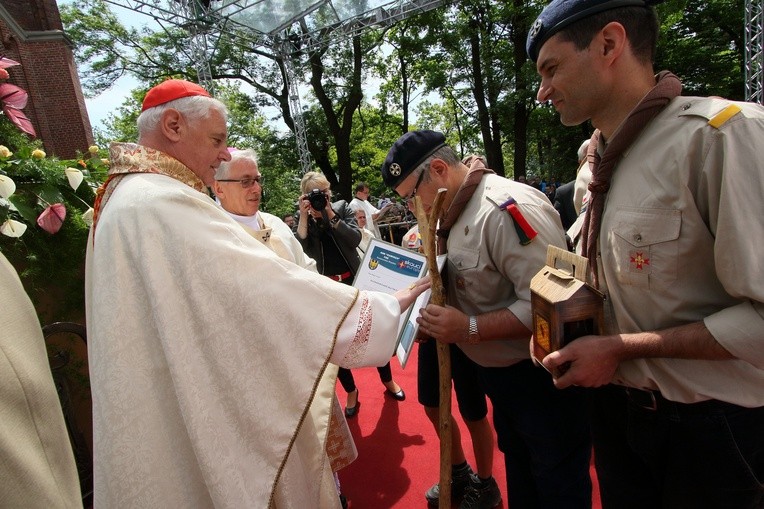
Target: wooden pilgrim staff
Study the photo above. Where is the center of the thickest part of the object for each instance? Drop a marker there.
(427, 227)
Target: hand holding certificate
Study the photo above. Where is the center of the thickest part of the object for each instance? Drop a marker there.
(392, 269)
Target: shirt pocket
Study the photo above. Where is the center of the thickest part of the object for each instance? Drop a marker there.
(463, 266)
(645, 245)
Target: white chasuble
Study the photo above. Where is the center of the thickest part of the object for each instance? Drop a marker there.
(332, 427)
(206, 351)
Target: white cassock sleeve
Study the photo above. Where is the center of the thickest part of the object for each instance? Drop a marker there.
(376, 313)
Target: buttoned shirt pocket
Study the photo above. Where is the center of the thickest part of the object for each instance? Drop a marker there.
(645, 246)
(464, 264)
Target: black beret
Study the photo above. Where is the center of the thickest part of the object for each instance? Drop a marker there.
(561, 13)
(407, 153)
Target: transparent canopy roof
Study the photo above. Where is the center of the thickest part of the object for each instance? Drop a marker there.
(268, 21)
(273, 16)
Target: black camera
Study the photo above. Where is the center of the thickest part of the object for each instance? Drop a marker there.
(317, 199)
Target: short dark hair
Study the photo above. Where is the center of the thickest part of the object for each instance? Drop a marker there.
(360, 186)
(640, 23)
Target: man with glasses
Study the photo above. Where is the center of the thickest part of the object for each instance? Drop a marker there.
(496, 234)
(238, 187)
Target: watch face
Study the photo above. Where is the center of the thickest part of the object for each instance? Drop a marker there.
(541, 332)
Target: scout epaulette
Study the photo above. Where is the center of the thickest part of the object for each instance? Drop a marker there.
(524, 230)
(720, 118)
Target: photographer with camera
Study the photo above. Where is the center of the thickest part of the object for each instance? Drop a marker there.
(330, 235)
(328, 231)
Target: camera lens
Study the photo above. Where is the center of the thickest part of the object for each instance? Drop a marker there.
(317, 199)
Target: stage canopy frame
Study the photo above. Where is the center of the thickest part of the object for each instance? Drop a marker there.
(281, 28)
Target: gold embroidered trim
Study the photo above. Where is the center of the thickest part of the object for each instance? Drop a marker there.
(307, 407)
(360, 343)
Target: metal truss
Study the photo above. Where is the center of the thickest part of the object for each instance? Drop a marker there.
(198, 38)
(754, 51)
(282, 28)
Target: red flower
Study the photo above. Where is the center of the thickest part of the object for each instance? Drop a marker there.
(13, 99)
(52, 218)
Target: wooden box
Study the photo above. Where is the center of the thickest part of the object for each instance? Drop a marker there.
(564, 305)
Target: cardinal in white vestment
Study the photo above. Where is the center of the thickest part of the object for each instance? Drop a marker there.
(204, 361)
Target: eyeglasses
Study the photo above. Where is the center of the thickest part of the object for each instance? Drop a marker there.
(409, 200)
(246, 183)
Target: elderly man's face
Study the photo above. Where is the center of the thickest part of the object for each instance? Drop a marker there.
(204, 146)
(242, 201)
(360, 218)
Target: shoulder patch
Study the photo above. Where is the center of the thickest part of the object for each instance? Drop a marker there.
(727, 113)
(524, 230)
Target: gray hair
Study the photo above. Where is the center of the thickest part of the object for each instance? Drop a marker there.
(224, 170)
(195, 107)
(445, 153)
(313, 180)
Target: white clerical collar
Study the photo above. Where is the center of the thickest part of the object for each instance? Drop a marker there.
(250, 221)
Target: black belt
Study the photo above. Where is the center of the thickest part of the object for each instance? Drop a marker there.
(655, 402)
(644, 399)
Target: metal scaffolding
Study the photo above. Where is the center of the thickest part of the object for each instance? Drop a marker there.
(754, 51)
(281, 28)
(197, 12)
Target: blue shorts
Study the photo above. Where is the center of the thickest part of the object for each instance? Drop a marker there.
(470, 395)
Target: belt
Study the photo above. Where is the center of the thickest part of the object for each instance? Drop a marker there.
(342, 277)
(655, 402)
(644, 399)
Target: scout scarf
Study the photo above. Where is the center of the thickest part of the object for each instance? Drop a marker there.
(129, 158)
(463, 195)
(667, 87)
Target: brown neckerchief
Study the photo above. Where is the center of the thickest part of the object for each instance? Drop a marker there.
(667, 87)
(462, 196)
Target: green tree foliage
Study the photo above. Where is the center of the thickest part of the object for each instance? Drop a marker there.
(107, 49)
(461, 69)
(702, 42)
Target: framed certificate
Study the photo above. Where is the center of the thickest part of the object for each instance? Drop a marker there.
(388, 268)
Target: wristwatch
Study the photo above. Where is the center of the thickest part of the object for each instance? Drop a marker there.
(473, 336)
(334, 221)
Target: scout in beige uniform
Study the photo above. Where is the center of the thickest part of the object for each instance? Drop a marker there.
(673, 228)
(497, 232)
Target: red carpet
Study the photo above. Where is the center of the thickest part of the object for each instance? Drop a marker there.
(398, 451)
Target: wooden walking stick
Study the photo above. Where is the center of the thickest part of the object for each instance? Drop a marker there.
(427, 231)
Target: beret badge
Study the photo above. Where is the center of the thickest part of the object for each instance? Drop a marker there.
(395, 169)
(536, 28)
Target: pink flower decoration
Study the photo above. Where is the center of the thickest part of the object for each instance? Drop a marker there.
(4, 74)
(52, 218)
(7, 62)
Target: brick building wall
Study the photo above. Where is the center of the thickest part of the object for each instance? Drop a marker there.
(31, 33)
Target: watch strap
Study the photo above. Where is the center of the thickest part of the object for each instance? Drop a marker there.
(473, 336)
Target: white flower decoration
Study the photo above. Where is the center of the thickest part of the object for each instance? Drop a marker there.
(13, 228)
(75, 177)
(7, 186)
(87, 216)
